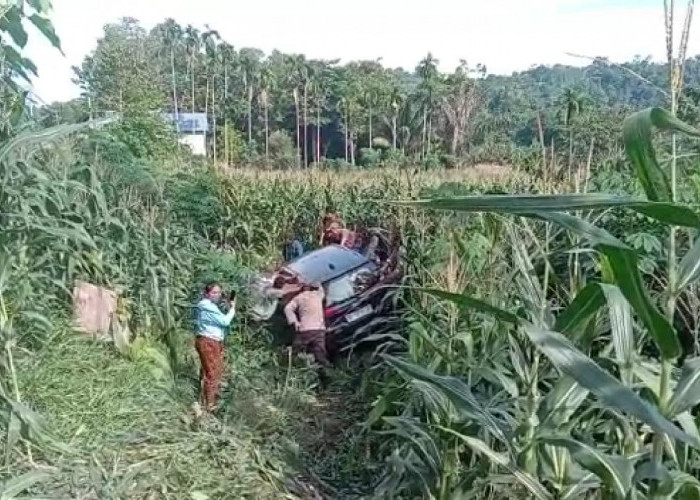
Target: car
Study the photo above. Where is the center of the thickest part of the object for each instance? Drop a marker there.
(359, 297)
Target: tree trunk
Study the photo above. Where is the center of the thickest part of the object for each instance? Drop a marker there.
(455, 140)
(306, 125)
(296, 108)
(213, 112)
(352, 150)
(394, 121)
(430, 132)
(206, 101)
(267, 134)
(250, 114)
(370, 125)
(425, 133)
(172, 67)
(318, 133)
(193, 106)
(571, 152)
(227, 158)
(346, 134)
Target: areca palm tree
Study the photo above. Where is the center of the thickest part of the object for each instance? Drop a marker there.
(193, 44)
(211, 39)
(267, 82)
(430, 78)
(228, 59)
(570, 103)
(250, 72)
(397, 99)
(296, 76)
(172, 34)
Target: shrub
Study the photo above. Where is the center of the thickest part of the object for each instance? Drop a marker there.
(370, 157)
(282, 151)
(449, 161)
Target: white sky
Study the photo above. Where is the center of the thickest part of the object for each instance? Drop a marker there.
(505, 35)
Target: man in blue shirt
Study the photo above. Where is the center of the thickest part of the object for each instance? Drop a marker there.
(210, 330)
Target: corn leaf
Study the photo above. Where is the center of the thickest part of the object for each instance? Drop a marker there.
(621, 331)
(562, 402)
(422, 442)
(689, 269)
(687, 393)
(615, 472)
(457, 392)
(564, 355)
(467, 302)
(17, 485)
(575, 317)
(501, 459)
(524, 204)
(637, 136)
(624, 263)
(685, 486)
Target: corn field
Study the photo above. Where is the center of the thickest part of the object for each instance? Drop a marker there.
(540, 357)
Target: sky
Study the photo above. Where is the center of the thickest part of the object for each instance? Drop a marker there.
(505, 35)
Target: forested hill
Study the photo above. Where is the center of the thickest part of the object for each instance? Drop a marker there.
(292, 110)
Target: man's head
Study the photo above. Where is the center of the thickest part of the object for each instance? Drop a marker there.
(212, 291)
(310, 287)
(278, 282)
(330, 218)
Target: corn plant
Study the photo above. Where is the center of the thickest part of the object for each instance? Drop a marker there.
(598, 407)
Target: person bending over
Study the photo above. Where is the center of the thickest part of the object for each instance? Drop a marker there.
(305, 314)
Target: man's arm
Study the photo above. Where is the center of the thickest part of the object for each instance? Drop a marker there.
(290, 312)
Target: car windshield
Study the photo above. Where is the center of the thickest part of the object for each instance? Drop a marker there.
(326, 264)
(346, 286)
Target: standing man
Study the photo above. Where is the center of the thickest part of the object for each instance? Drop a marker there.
(305, 314)
(210, 330)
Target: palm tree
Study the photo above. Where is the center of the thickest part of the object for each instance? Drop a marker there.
(267, 81)
(228, 58)
(250, 72)
(571, 102)
(171, 34)
(430, 77)
(210, 39)
(193, 43)
(296, 72)
(396, 99)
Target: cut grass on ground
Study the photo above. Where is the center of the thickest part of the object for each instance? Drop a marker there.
(133, 435)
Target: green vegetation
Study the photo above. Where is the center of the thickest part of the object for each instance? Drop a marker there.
(551, 337)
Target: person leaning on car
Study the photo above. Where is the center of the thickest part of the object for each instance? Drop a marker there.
(305, 314)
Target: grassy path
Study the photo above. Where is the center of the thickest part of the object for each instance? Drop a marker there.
(132, 433)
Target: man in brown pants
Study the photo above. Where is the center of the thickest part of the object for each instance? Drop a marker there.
(305, 314)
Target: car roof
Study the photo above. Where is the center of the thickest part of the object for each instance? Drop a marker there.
(327, 263)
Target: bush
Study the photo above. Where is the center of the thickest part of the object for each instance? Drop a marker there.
(380, 143)
(394, 158)
(282, 151)
(236, 145)
(333, 164)
(370, 157)
(431, 161)
(146, 136)
(449, 161)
